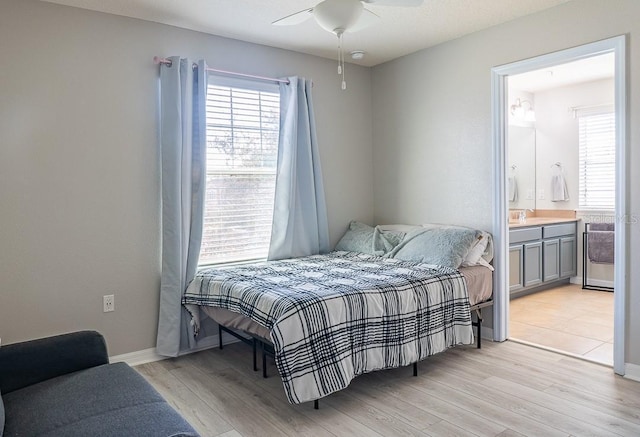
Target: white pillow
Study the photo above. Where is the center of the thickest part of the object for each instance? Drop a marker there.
(483, 262)
(480, 254)
(486, 243)
(475, 253)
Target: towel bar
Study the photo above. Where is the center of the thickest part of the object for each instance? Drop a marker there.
(586, 260)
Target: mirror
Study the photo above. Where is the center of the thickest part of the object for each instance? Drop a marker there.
(521, 155)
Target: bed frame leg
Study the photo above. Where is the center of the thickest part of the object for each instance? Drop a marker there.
(264, 361)
(479, 314)
(220, 336)
(415, 369)
(255, 353)
(316, 405)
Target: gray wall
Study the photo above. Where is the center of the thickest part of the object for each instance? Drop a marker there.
(79, 172)
(432, 122)
(79, 197)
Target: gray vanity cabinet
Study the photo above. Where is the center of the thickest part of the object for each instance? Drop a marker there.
(525, 258)
(533, 260)
(568, 258)
(541, 255)
(551, 266)
(516, 267)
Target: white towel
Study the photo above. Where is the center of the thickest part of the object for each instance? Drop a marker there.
(559, 192)
(513, 189)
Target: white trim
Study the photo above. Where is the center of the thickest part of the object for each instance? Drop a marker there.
(149, 355)
(577, 280)
(620, 251)
(617, 45)
(632, 371)
(500, 220)
(138, 357)
(561, 352)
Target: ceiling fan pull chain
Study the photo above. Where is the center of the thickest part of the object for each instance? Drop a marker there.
(339, 52)
(341, 60)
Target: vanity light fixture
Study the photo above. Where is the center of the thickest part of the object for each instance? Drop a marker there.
(518, 111)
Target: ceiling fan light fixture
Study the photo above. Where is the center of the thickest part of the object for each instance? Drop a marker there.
(337, 15)
(340, 16)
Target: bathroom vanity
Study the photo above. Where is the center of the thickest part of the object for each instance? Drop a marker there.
(542, 253)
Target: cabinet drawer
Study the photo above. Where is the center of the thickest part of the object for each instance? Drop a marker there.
(526, 234)
(559, 230)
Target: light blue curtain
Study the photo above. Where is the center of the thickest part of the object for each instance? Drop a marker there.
(300, 214)
(183, 150)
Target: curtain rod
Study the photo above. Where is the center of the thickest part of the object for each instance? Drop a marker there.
(158, 60)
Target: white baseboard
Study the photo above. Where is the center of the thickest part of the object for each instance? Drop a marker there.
(149, 355)
(595, 282)
(632, 371)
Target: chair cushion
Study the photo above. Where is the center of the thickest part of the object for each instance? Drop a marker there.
(107, 400)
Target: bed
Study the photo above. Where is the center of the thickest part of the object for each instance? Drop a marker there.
(330, 318)
(479, 281)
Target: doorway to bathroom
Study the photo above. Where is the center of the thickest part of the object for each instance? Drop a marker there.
(540, 115)
(561, 173)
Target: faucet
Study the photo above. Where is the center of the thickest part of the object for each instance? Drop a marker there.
(522, 216)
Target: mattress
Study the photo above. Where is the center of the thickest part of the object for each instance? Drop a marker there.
(479, 281)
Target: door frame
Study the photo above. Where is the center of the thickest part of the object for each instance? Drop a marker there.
(499, 105)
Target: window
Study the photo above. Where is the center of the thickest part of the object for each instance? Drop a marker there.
(243, 121)
(597, 154)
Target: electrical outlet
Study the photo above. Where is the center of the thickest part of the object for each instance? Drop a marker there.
(540, 194)
(108, 303)
(530, 195)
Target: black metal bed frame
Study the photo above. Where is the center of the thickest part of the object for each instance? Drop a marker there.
(267, 349)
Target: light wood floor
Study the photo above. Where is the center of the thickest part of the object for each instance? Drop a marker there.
(503, 389)
(566, 318)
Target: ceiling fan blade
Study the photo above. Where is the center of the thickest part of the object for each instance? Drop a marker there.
(366, 19)
(394, 2)
(297, 18)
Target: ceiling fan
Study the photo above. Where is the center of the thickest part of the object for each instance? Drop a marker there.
(340, 16)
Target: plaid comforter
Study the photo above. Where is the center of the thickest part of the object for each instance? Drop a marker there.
(333, 317)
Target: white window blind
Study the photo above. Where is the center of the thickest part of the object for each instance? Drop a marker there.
(597, 151)
(242, 151)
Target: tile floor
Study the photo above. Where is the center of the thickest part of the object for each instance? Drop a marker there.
(568, 319)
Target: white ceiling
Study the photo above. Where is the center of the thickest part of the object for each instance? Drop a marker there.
(584, 70)
(400, 31)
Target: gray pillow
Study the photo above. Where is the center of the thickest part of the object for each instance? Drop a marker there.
(440, 246)
(367, 239)
(358, 238)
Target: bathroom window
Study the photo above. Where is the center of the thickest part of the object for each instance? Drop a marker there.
(243, 119)
(597, 154)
